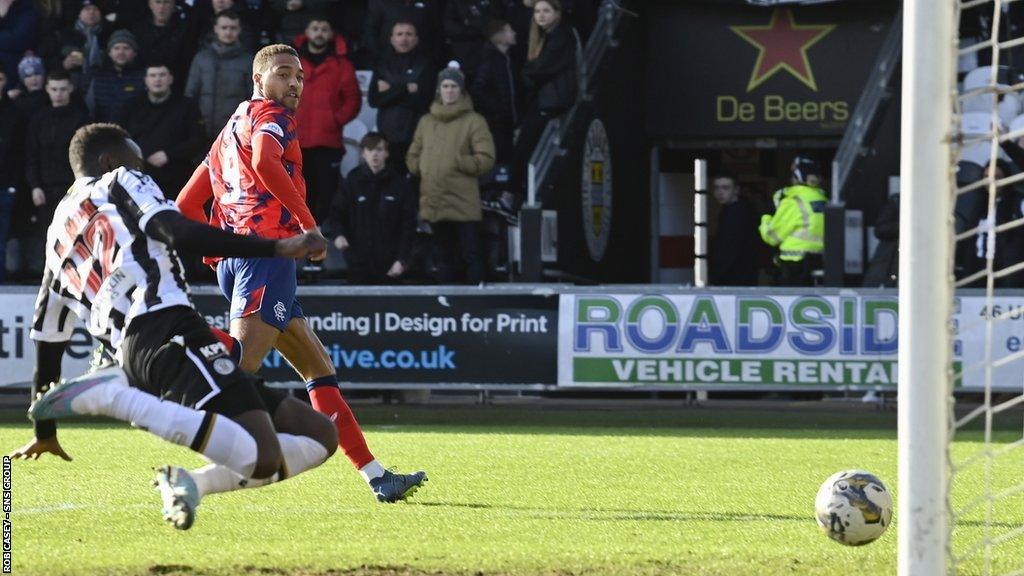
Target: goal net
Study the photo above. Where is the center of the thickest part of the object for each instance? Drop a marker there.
(961, 486)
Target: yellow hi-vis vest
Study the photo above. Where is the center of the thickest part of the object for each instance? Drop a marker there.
(798, 226)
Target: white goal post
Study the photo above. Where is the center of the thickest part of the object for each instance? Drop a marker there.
(925, 284)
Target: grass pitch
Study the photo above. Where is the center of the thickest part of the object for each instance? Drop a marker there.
(513, 490)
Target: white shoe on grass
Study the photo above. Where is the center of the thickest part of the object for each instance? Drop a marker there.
(179, 494)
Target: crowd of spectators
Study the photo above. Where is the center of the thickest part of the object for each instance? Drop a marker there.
(462, 89)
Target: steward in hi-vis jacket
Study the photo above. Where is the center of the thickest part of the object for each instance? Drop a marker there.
(797, 228)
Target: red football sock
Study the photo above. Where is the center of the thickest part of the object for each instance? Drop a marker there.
(326, 399)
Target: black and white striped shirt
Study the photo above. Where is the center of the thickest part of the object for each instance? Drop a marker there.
(100, 265)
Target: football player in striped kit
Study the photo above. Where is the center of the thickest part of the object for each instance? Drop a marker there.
(112, 262)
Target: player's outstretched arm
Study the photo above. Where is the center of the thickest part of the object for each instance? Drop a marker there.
(312, 244)
(195, 194)
(180, 233)
(266, 161)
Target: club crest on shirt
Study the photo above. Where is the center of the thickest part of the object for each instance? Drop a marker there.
(279, 311)
(223, 366)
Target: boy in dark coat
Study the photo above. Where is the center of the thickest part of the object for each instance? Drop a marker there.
(375, 218)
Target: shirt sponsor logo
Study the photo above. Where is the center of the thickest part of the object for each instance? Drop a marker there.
(273, 128)
(211, 351)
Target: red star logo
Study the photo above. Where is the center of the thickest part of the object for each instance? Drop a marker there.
(782, 45)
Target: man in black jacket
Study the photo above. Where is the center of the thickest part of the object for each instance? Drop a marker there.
(250, 20)
(734, 255)
(496, 89)
(162, 37)
(169, 129)
(375, 217)
(47, 168)
(402, 89)
(382, 15)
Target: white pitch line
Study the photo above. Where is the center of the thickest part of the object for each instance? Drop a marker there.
(67, 507)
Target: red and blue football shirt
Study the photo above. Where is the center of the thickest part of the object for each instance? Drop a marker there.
(251, 196)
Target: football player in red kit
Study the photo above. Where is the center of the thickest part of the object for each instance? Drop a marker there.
(253, 172)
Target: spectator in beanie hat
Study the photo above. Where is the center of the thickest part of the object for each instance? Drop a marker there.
(118, 81)
(29, 95)
(451, 72)
(122, 37)
(31, 72)
(451, 149)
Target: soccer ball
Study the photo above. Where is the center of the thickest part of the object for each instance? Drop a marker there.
(853, 507)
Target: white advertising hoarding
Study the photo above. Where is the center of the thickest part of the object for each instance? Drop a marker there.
(17, 351)
(706, 339)
(748, 340)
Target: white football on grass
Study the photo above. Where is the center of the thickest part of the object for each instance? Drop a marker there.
(853, 507)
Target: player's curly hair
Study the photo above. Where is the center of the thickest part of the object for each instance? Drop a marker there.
(91, 141)
(265, 57)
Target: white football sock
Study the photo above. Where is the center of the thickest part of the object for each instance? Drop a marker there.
(372, 471)
(225, 442)
(215, 478)
(301, 453)
(217, 437)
